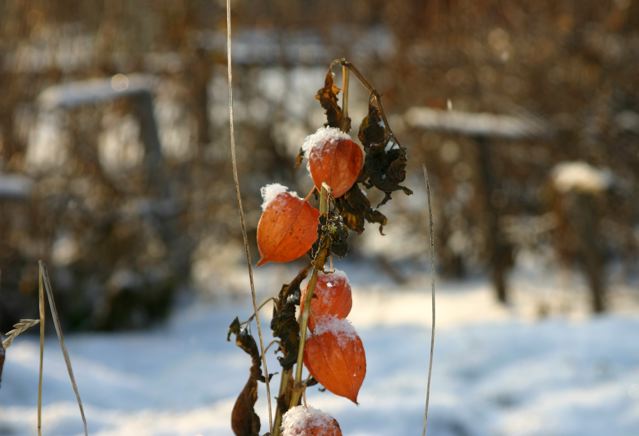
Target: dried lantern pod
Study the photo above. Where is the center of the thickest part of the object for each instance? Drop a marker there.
(288, 226)
(333, 158)
(307, 421)
(335, 357)
(332, 296)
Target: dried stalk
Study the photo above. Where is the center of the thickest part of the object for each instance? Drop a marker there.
(374, 95)
(346, 121)
(238, 194)
(44, 277)
(432, 293)
(41, 309)
(318, 265)
(18, 328)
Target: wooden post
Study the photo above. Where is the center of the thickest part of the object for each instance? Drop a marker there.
(498, 251)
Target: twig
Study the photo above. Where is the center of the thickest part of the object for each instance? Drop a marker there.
(41, 310)
(58, 329)
(432, 283)
(346, 121)
(374, 95)
(318, 265)
(238, 194)
(18, 328)
(260, 307)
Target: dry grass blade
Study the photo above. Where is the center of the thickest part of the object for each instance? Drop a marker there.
(432, 284)
(238, 195)
(18, 328)
(41, 309)
(58, 329)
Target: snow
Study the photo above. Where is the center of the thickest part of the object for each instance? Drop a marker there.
(299, 418)
(475, 124)
(321, 137)
(95, 91)
(15, 186)
(271, 191)
(342, 329)
(580, 176)
(497, 371)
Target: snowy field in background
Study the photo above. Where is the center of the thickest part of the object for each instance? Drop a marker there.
(497, 371)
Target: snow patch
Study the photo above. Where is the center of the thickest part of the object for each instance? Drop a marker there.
(333, 277)
(342, 329)
(320, 137)
(297, 420)
(580, 176)
(271, 191)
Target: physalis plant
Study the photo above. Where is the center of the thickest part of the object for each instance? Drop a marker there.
(342, 170)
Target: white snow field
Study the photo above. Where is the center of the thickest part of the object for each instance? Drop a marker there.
(497, 371)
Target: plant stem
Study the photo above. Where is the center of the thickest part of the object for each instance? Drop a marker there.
(41, 309)
(238, 195)
(318, 265)
(346, 122)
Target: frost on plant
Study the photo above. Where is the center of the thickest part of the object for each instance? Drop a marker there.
(309, 325)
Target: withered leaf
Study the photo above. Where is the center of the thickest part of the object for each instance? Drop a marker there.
(244, 420)
(371, 131)
(284, 323)
(327, 97)
(385, 163)
(355, 209)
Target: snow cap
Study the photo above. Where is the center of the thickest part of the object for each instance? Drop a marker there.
(335, 275)
(580, 176)
(269, 192)
(342, 329)
(322, 136)
(300, 418)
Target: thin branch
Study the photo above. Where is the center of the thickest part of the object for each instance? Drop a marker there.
(42, 313)
(374, 95)
(260, 307)
(58, 329)
(433, 305)
(318, 265)
(346, 122)
(238, 194)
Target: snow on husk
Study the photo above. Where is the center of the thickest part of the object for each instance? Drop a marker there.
(497, 371)
(320, 137)
(342, 329)
(299, 418)
(271, 191)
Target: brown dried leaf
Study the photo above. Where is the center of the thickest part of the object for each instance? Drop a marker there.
(244, 420)
(327, 97)
(284, 323)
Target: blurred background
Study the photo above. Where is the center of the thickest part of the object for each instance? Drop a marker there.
(114, 163)
(115, 170)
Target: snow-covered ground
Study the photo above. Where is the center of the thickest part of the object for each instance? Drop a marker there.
(497, 371)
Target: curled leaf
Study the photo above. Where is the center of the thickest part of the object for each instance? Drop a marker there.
(327, 97)
(244, 420)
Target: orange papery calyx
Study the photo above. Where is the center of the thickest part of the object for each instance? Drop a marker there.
(288, 226)
(334, 355)
(333, 158)
(332, 296)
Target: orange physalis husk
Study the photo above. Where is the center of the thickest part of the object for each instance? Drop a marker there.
(332, 296)
(288, 226)
(333, 158)
(307, 421)
(335, 357)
